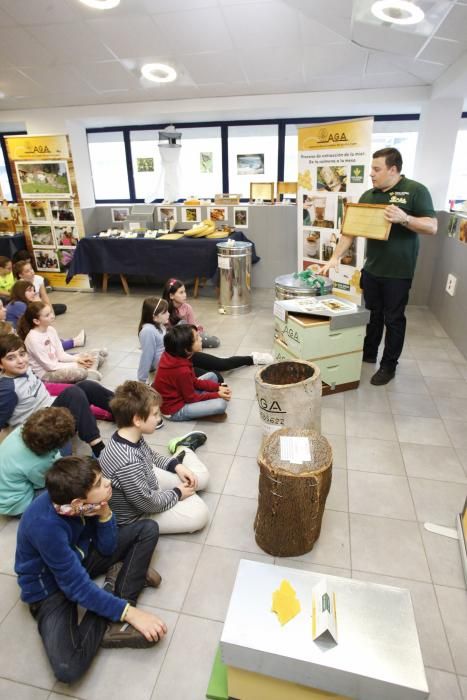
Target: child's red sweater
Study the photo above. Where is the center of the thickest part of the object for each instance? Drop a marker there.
(177, 384)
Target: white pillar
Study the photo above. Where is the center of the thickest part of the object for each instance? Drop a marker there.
(440, 121)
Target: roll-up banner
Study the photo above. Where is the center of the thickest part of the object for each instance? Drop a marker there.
(333, 168)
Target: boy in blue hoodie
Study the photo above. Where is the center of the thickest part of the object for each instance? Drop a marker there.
(68, 536)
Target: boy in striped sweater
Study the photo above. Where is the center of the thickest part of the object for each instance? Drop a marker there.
(144, 483)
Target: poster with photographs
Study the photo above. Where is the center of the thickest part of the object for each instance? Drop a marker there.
(190, 215)
(333, 158)
(42, 236)
(37, 211)
(66, 236)
(46, 260)
(218, 214)
(44, 177)
(119, 214)
(62, 210)
(250, 164)
(241, 217)
(205, 162)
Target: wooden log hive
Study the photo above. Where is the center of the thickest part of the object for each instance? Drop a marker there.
(292, 497)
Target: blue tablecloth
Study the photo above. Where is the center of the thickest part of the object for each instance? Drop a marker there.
(185, 258)
(9, 245)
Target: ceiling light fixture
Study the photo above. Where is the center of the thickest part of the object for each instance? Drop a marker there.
(158, 72)
(397, 11)
(101, 4)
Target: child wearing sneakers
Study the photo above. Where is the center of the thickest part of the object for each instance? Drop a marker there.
(151, 331)
(67, 537)
(174, 293)
(27, 453)
(48, 358)
(145, 483)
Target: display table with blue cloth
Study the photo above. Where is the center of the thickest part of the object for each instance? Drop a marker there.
(186, 258)
(10, 244)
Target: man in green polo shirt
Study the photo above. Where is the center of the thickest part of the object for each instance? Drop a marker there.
(390, 265)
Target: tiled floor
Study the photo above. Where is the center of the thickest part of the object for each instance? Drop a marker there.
(400, 459)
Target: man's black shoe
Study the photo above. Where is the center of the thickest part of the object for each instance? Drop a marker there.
(382, 376)
(370, 360)
(191, 440)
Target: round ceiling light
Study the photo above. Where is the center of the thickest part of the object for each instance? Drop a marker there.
(101, 4)
(158, 72)
(397, 11)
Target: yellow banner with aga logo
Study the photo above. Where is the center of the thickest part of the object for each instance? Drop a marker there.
(355, 133)
(37, 147)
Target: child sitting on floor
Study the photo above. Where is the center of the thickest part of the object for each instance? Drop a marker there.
(48, 359)
(151, 330)
(67, 537)
(22, 393)
(184, 396)
(27, 453)
(144, 482)
(174, 293)
(6, 278)
(24, 270)
(22, 294)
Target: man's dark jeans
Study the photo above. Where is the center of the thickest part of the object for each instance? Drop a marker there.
(70, 646)
(386, 299)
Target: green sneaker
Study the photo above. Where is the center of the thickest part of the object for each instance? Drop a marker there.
(191, 440)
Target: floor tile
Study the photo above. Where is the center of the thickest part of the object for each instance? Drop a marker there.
(176, 561)
(445, 370)
(437, 501)
(232, 526)
(213, 581)
(334, 400)
(338, 494)
(403, 384)
(424, 431)
(463, 684)
(453, 606)
(431, 462)
(222, 437)
(332, 547)
(243, 478)
(442, 685)
(18, 691)
(239, 410)
(433, 642)
(450, 388)
(218, 466)
(187, 667)
(371, 455)
(380, 494)
(332, 421)
(8, 546)
(413, 405)
(339, 450)
(430, 354)
(376, 545)
(242, 388)
(444, 559)
(461, 453)
(370, 425)
(250, 441)
(9, 595)
(23, 657)
(452, 408)
(457, 431)
(124, 673)
(367, 399)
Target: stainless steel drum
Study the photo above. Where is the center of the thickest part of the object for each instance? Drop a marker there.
(288, 287)
(234, 260)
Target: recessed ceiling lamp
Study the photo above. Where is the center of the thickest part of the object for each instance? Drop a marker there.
(158, 72)
(397, 11)
(101, 4)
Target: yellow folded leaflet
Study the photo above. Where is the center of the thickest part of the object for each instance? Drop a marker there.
(285, 602)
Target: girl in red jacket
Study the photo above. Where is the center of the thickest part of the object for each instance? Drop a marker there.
(184, 396)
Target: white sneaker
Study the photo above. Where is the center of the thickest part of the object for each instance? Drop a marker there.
(80, 339)
(262, 358)
(103, 352)
(95, 375)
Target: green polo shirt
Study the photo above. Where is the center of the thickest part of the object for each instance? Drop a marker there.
(6, 283)
(397, 256)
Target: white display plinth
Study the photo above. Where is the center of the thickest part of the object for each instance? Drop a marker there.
(378, 654)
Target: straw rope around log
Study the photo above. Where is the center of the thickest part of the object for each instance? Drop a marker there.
(291, 503)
